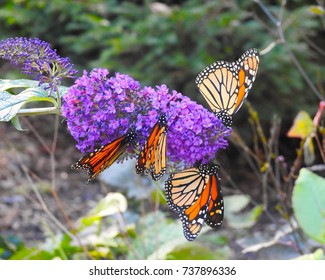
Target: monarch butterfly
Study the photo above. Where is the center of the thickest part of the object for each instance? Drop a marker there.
(225, 85)
(105, 156)
(152, 158)
(196, 195)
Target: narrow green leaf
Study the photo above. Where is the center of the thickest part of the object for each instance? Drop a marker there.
(309, 151)
(308, 200)
(15, 122)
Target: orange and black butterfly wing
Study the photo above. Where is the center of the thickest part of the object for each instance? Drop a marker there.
(189, 193)
(152, 158)
(225, 85)
(217, 84)
(215, 209)
(207, 208)
(193, 217)
(158, 167)
(105, 156)
(248, 67)
(183, 188)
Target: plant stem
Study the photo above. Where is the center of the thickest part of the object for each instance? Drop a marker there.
(39, 111)
(279, 27)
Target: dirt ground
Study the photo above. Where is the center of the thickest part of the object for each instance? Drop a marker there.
(22, 160)
(25, 165)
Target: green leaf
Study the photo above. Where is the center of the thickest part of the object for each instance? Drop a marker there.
(9, 245)
(196, 251)
(21, 83)
(302, 127)
(317, 255)
(31, 254)
(309, 151)
(15, 122)
(318, 10)
(62, 91)
(246, 219)
(5, 85)
(11, 104)
(235, 214)
(308, 200)
(112, 204)
(156, 236)
(236, 203)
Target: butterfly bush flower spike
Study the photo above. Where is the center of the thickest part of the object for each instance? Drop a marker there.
(100, 109)
(97, 108)
(36, 58)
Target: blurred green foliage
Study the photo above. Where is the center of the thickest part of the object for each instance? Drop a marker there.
(153, 236)
(171, 41)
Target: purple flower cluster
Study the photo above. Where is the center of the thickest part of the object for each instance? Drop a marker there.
(38, 59)
(99, 109)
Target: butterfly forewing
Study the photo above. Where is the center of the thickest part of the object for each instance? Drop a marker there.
(147, 153)
(152, 158)
(225, 85)
(183, 188)
(218, 83)
(158, 167)
(104, 157)
(248, 67)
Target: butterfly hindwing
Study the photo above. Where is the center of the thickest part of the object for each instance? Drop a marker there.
(195, 194)
(215, 208)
